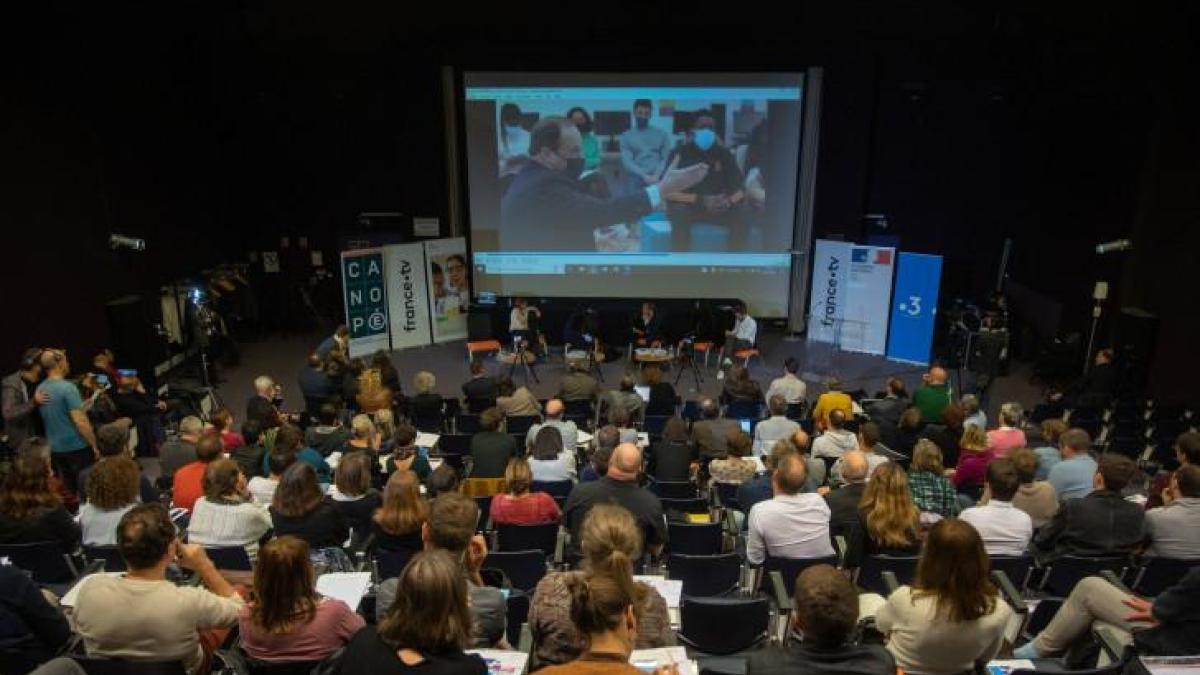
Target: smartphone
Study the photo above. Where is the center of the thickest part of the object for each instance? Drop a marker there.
(102, 380)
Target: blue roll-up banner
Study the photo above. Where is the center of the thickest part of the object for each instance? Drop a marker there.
(914, 307)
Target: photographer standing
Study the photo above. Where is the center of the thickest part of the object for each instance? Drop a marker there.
(132, 400)
(21, 400)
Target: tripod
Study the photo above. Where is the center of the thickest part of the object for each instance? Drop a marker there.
(519, 355)
(686, 358)
(593, 364)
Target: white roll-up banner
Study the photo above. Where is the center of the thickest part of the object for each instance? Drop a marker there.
(408, 304)
(449, 287)
(364, 281)
(851, 294)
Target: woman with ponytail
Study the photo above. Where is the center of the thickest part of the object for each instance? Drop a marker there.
(603, 610)
(611, 542)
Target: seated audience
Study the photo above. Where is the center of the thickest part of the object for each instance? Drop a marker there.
(1035, 497)
(516, 401)
(300, 509)
(624, 397)
(909, 431)
(32, 628)
(249, 455)
(605, 440)
(788, 385)
(888, 520)
(619, 418)
(490, 448)
(226, 514)
(364, 436)
(1164, 626)
(479, 392)
(739, 387)
(181, 449)
(30, 512)
(579, 384)
(791, 524)
(887, 410)
(825, 614)
(373, 394)
(663, 398)
(426, 403)
(933, 395)
(188, 484)
(1047, 451)
(844, 501)
(1174, 529)
(1072, 477)
(619, 486)
(425, 629)
(836, 440)
(947, 434)
(931, 491)
(710, 433)
(406, 456)
(736, 467)
(263, 488)
(112, 490)
(555, 410)
(222, 422)
(353, 495)
(951, 619)
(396, 524)
(758, 488)
(1009, 435)
(972, 414)
(833, 399)
(444, 479)
(519, 506)
(775, 428)
(868, 443)
(1100, 524)
(112, 441)
(611, 542)
(1187, 451)
(451, 528)
(548, 459)
(158, 620)
(670, 459)
(973, 457)
(328, 434)
(288, 440)
(1005, 529)
(288, 621)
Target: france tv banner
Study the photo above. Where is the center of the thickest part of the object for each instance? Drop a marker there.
(365, 282)
(850, 291)
(914, 307)
(449, 287)
(408, 304)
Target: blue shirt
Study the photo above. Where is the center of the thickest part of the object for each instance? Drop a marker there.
(308, 456)
(1073, 477)
(1047, 458)
(56, 414)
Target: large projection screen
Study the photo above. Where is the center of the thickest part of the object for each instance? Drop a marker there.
(537, 230)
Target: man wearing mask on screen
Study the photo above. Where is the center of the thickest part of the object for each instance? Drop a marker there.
(644, 149)
(546, 208)
(714, 200)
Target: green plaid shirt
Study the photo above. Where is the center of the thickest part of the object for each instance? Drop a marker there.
(933, 493)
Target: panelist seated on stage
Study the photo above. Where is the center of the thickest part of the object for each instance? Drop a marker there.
(582, 332)
(647, 327)
(547, 209)
(523, 323)
(743, 335)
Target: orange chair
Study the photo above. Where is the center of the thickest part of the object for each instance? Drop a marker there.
(746, 355)
(705, 347)
(481, 346)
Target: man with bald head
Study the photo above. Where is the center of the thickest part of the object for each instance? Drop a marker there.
(554, 418)
(792, 524)
(933, 396)
(843, 502)
(547, 208)
(619, 486)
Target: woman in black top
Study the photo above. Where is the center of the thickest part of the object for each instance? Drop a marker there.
(671, 458)
(426, 628)
(299, 509)
(355, 497)
(426, 405)
(909, 432)
(662, 394)
(397, 524)
(30, 512)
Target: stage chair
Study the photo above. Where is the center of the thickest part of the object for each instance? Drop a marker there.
(481, 347)
(705, 347)
(746, 355)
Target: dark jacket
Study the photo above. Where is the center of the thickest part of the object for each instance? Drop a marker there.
(326, 440)
(799, 657)
(323, 527)
(264, 411)
(887, 410)
(642, 503)
(480, 393)
(490, 452)
(843, 508)
(671, 462)
(32, 628)
(662, 399)
(1178, 612)
(45, 525)
(1101, 523)
(545, 210)
(20, 412)
(316, 387)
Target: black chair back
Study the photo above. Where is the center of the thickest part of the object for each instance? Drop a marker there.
(389, 564)
(229, 558)
(46, 561)
(523, 568)
(579, 408)
(727, 495)
(654, 424)
(554, 488)
(870, 571)
(691, 411)
(790, 568)
(521, 424)
(1159, 574)
(695, 505)
(485, 511)
(467, 424)
(674, 489)
(795, 411)
(101, 666)
(746, 410)
(1018, 568)
(722, 626)
(706, 575)
(454, 444)
(1063, 573)
(478, 405)
(543, 537)
(256, 667)
(113, 562)
(694, 538)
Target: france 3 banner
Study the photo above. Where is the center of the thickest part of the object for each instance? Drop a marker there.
(851, 287)
(365, 282)
(408, 306)
(914, 307)
(449, 287)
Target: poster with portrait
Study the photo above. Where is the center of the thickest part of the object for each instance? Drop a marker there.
(449, 287)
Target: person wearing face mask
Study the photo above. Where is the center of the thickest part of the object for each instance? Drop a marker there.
(717, 198)
(513, 144)
(547, 209)
(590, 145)
(644, 149)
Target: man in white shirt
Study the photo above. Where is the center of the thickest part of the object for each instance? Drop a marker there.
(1005, 529)
(775, 428)
(868, 443)
(791, 524)
(554, 418)
(743, 335)
(792, 388)
(1174, 529)
(836, 440)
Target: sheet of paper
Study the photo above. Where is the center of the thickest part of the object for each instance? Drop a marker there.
(426, 440)
(646, 659)
(1171, 665)
(72, 595)
(349, 587)
(670, 589)
(502, 661)
(1006, 666)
